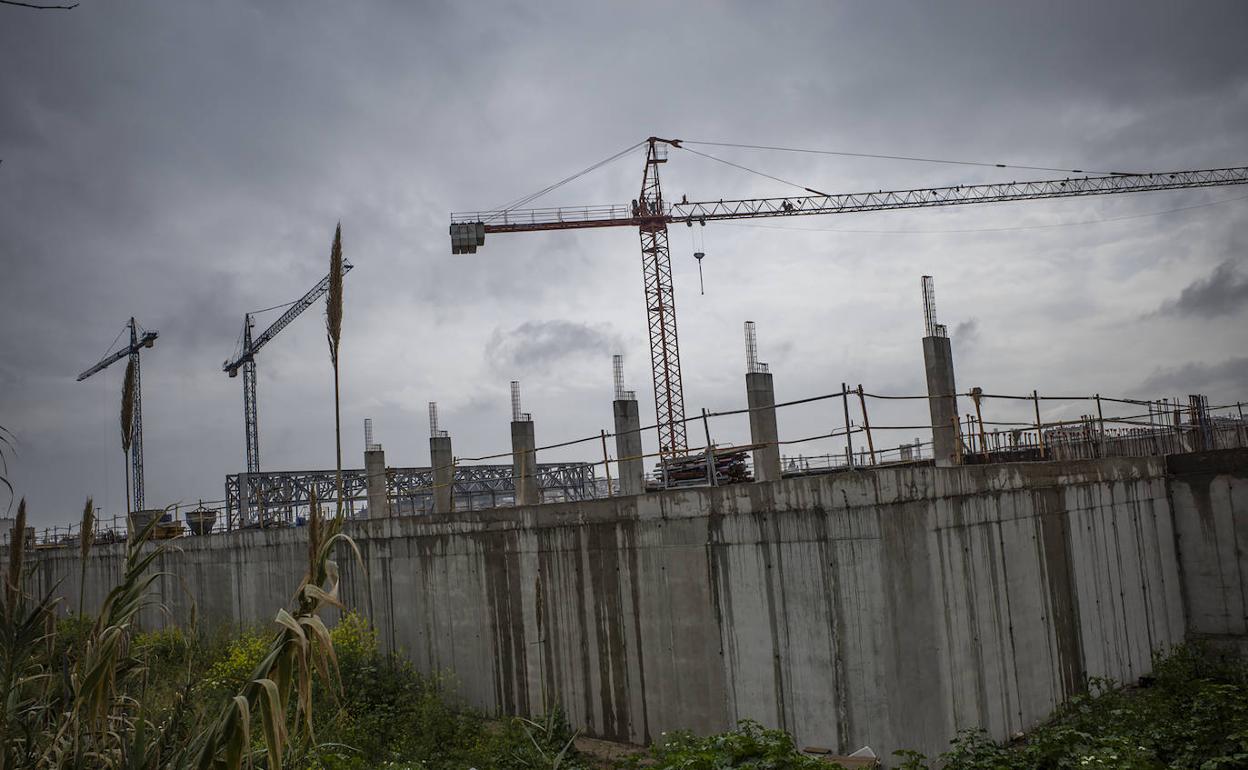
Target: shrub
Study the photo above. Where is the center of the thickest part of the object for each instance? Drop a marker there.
(234, 665)
(386, 711)
(749, 745)
(165, 652)
(71, 636)
(545, 742)
(1191, 714)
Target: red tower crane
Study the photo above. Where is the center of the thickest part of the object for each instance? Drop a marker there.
(651, 215)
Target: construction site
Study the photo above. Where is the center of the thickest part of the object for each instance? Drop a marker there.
(604, 386)
(906, 566)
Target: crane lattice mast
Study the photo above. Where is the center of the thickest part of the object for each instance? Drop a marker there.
(137, 342)
(651, 214)
(245, 359)
(656, 270)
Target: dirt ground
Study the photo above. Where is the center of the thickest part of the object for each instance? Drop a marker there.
(605, 754)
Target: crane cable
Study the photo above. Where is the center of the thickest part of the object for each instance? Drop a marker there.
(275, 307)
(925, 160)
(524, 200)
(908, 158)
(238, 344)
(534, 196)
(109, 350)
(754, 171)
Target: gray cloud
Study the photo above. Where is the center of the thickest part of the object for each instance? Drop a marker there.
(1222, 292)
(147, 174)
(1229, 376)
(539, 344)
(966, 335)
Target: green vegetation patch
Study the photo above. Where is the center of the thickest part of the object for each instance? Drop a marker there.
(749, 746)
(1191, 714)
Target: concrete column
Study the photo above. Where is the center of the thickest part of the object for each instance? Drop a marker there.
(760, 394)
(440, 457)
(628, 445)
(375, 475)
(524, 463)
(942, 400)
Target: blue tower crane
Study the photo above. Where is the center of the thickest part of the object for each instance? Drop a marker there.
(245, 359)
(139, 338)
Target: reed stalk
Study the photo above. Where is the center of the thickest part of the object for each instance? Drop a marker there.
(86, 538)
(333, 329)
(17, 554)
(6, 443)
(127, 424)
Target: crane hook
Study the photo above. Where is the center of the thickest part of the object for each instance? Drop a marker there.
(698, 255)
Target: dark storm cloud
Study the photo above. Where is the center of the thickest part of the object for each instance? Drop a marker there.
(537, 345)
(1230, 375)
(186, 162)
(1223, 292)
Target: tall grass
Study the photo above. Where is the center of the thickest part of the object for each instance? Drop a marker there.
(84, 710)
(17, 552)
(63, 713)
(86, 535)
(22, 631)
(6, 444)
(127, 422)
(333, 329)
(302, 646)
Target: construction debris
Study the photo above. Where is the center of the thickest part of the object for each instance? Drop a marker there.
(730, 468)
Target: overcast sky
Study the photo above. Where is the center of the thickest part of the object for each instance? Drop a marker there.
(186, 163)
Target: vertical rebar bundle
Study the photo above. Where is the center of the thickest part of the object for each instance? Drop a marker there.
(433, 421)
(1198, 408)
(930, 327)
(617, 373)
(515, 401)
(368, 434)
(751, 347)
(752, 364)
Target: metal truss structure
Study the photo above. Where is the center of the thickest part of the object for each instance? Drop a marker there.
(577, 217)
(281, 497)
(656, 269)
(245, 358)
(137, 343)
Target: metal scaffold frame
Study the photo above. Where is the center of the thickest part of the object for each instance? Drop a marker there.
(282, 495)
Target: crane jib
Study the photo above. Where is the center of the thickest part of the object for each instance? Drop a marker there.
(146, 341)
(296, 308)
(468, 230)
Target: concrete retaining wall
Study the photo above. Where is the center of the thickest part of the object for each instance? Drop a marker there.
(886, 607)
(1209, 495)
